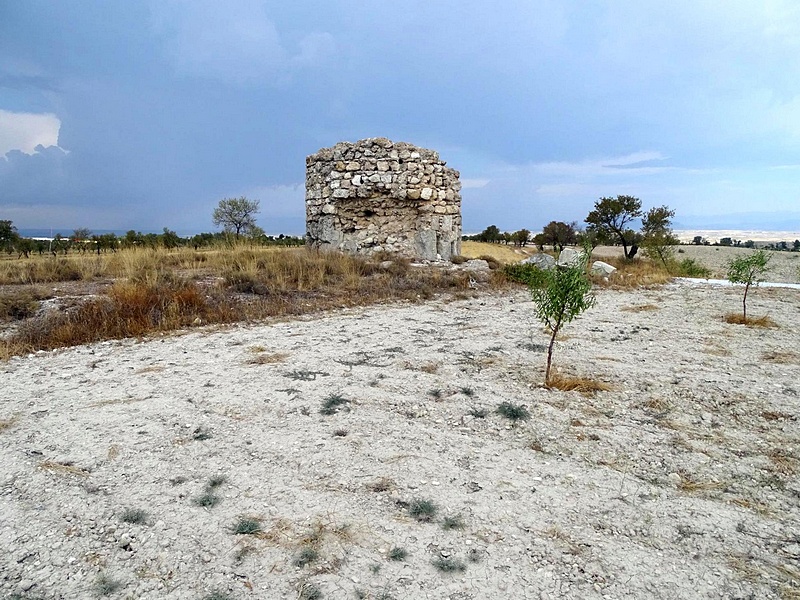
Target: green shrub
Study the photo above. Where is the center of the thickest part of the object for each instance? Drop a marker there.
(689, 267)
(527, 274)
(515, 412)
(422, 510)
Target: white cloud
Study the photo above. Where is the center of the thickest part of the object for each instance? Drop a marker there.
(25, 131)
(469, 184)
(234, 42)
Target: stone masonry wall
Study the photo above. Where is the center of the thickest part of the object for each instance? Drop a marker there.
(379, 195)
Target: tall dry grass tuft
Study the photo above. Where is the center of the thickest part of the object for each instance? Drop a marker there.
(128, 309)
(738, 319)
(156, 291)
(51, 269)
(640, 272)
(572, 383)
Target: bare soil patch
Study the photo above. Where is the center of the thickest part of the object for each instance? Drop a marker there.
(680, 482)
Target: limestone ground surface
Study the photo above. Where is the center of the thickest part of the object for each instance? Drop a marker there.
(128, 467)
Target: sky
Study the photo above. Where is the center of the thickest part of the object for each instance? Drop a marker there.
(143, 115)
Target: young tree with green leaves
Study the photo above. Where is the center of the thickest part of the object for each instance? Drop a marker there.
(560, 295)
(748, 270)
(237, 215)
(657, 238)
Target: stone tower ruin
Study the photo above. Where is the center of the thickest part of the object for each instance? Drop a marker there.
(379, 195)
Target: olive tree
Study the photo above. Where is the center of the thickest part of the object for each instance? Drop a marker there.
(560, 295)
(748, 270)
(237, 215)
(612, 215)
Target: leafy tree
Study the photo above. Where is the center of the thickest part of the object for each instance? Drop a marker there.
(749, 244)
(560, 234)
(612, 215)
(726, 241)
(170, 239)
(521, 237)
(24, 246)
(748, 270)
(796, 246)
(490, 234)
(8, 235)
(592, 237)
(236, 215)
(59, 243)
(560, 295)
(657, 238)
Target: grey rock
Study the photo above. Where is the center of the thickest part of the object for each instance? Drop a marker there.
(601, 268)
(568, 257)
(543, 261)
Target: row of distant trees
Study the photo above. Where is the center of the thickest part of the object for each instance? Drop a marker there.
(236, 216)
(609, 223)
(699, 240)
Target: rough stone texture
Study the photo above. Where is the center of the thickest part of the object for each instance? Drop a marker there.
(602, 268)
(568, 257)
(377, 195)
(543, 261)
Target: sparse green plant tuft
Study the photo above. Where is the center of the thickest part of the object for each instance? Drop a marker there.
(306, 556)
(453, 522)
(473, 555)
(247, 526)
(468, 391)
(448, 564)
(105, 585)
(201, 434)
(332, 404)
(478, 413)
(514, 412)
(435, 393)
(375, 568)
(134, 516)
(207, 500)
(216, 481)
(398, 554)
(422, 509)
(218, 595)
(308, 591)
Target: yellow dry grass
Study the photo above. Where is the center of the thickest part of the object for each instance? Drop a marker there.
(640, 308)
(8, 423)
(575, 383)
(267, 358)
(503, 253)
(738, 319)
(781, 356)
(164, 290)
(62, 468)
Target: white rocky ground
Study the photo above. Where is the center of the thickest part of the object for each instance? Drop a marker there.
(679, 483)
